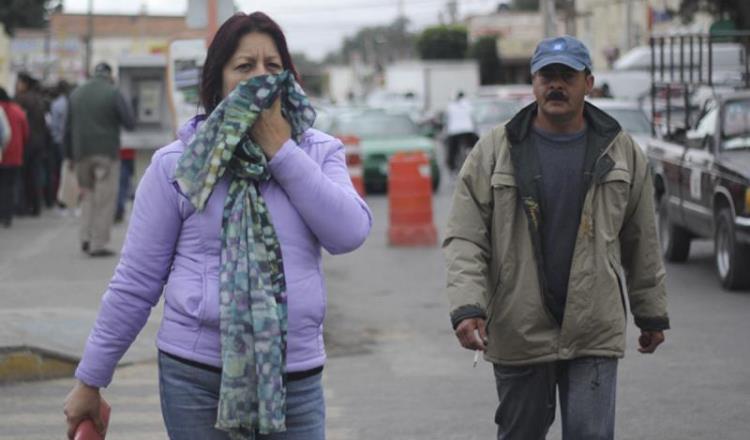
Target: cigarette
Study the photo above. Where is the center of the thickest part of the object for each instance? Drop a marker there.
(476, 358)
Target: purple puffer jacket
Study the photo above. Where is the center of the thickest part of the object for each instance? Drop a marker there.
(173, 248)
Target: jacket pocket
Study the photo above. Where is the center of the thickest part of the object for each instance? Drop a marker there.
(621, 283)
(612, 201)
(505, 201)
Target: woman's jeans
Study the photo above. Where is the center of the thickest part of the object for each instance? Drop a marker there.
(190, 398)
(587, 388)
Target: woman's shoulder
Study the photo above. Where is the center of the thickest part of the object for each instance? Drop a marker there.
(166, 157)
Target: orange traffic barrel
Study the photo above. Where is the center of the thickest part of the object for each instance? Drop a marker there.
(410, 201)
(354, 162)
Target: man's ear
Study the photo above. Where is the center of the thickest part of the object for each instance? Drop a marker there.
(589, 84)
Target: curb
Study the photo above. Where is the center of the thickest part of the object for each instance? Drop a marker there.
(22, 363)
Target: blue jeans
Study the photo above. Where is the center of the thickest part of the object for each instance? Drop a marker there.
(587, 388)
(190, 398)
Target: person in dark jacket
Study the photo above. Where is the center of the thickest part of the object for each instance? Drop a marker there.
(31, 101)
(12, 159)
(97, 111)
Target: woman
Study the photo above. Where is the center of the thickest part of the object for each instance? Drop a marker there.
(212, 217)
(12, 157)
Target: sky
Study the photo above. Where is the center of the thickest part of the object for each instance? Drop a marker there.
(314, 27)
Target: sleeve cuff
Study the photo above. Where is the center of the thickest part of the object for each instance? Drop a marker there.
(284, 152)
(652, 323)
(466, 312)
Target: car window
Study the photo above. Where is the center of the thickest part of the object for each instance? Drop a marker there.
(632, 120)
(493, 112)
(376, 124)
(735, 132)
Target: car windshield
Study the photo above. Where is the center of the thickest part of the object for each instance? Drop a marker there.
(376, 124)
(632, 120)
(493, 112)
(736, 125)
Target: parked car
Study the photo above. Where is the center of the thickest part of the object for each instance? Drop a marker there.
(489, 112)
(630, 115)
(376, 135)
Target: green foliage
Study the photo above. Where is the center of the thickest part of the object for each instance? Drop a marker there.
(737, 10)
(443, 42)
(378, 45)
(525, 5)
(16, 14)
(484, 50)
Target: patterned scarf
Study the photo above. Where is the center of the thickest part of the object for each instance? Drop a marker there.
(253, 307)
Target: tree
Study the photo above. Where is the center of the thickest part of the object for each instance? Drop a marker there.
(377, 45)
(443, 42)
(484, 50)
(737, 10)
(26, 13)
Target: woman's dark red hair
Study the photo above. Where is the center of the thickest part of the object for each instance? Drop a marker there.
(224, 45)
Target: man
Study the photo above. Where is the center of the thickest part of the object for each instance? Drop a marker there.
(551, 228)
(58, 114)
(29, 97)
(459, 131)
(97, 110)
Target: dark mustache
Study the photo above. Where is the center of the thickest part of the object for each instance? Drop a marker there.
(556, 95)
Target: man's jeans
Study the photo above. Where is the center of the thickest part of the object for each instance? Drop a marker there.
(587, 388)
(190, 398)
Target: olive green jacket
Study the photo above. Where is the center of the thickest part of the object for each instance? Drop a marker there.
(493, 247)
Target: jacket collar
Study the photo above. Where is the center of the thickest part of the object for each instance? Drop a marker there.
(189, 128)
(605, 126)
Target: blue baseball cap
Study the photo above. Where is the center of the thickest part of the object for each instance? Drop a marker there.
(561, 50)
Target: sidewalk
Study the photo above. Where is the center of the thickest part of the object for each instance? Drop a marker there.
(49, 295)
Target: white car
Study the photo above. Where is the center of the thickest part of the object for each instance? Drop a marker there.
(630, 115)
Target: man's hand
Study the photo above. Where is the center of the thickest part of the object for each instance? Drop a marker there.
(649, 340)
(471, 334)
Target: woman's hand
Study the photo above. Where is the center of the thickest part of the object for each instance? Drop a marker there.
(83, 402)
(271, 130)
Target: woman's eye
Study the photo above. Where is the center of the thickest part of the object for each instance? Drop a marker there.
(245, 67)
(274, 66)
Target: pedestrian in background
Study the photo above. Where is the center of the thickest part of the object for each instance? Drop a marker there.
(12, 157)
(124, 191)
(97, 111)
(56, 122)
(29, 97)
(213, 215)
(551, 230)
(459, 130)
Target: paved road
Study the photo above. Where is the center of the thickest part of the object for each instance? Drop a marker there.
(395, 371)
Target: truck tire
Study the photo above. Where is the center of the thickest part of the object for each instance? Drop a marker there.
(674, 240)
(732, 258)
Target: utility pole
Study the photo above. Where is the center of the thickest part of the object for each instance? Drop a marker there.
(212, 15)
(401, 12)
(550, 17)
(570, 17)
(452, 8)
(629, 24)
(89, 38)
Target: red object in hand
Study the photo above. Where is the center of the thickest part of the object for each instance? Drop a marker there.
(86, 429)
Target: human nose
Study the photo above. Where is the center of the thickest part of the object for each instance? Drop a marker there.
(259, 70)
